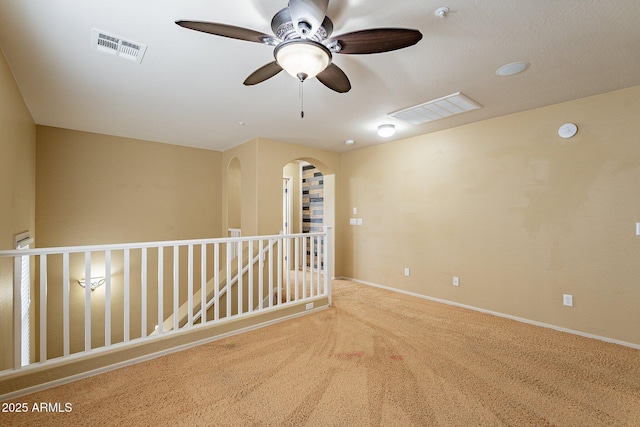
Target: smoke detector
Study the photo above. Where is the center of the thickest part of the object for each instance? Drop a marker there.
(116, 45)
(442, 12)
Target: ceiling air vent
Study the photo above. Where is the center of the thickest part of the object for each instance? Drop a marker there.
(449, 105)
(114, 45)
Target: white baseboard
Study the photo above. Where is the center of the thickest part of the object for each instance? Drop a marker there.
(495, 313)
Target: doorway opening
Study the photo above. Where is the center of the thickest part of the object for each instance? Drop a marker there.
(308, 203)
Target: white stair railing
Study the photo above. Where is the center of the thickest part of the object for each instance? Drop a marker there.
(94, 298)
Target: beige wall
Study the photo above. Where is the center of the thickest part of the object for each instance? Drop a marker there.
(17, 161)
(519, 214)
(17, 188)
(246, 155)
(234, 193)
(95, 189)
(293, 170)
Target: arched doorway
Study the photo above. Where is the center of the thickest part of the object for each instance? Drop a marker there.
(308, 196)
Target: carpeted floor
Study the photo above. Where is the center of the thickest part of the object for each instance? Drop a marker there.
(375, 358)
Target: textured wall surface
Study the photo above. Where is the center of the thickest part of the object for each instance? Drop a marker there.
(521, 215)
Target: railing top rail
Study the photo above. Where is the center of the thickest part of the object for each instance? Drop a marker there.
(140, 245)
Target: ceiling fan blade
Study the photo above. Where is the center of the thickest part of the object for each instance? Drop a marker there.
(335, 79)
(263, 73)
(377, 40)
(230, 31)
(311, 12)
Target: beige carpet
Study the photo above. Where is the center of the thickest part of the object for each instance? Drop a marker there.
(375, 358)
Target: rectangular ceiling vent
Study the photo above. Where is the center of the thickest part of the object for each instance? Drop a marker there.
(114, 45)
(449, 105)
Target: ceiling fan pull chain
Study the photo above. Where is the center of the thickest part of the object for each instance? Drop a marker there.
(301, 94)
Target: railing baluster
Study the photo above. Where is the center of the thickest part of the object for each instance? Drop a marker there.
(321, 271)
(328, 262)
(143, 293)
(287, 248)
(240, 283)
(43, 308)
(17, 312)
(87, 301)
(127, 295)
(319, 263)
(260, 276)
(296, 265)
(279, 286)
(65, 304)
(203, 284)
(160, 326)
(107, 298)
(227, 285)
(270, 273)
(190, 285)
(250, 277)
(216, 281)
(176, 285)
(312, 249)
(304, 267)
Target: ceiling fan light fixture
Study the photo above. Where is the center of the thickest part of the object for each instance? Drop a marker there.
(386, 130)
(303, 59)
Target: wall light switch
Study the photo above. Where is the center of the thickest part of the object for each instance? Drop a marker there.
(359, 222)
(353, 221)
(456, 281)
(355, 211)
(406, 271)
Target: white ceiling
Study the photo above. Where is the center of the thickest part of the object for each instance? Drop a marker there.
(188, 89)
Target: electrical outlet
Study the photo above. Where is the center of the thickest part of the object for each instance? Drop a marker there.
(309, 306)
(456, 281)
(359, 221)
(567, 300)
(406, 271)
(353, 221)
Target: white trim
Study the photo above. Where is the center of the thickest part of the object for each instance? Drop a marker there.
(155, 245)
(287, 205)
(495, 313)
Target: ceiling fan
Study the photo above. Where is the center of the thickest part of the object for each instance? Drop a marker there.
(304, 46)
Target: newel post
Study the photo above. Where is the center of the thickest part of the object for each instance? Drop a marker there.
(328, 260)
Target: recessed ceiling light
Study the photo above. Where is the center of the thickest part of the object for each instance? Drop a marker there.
(512, 69)
(386, 130)
(349, 142)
